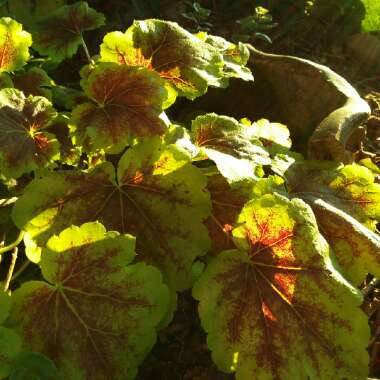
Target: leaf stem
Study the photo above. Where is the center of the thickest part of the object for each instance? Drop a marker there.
(85, 48)
(14, 244)
(21, 269)
(11, 269)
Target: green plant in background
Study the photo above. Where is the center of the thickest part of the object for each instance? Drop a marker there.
(120, 208)
(371, 22)
(199, 16)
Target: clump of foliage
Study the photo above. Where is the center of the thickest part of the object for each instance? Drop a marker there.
(120, 208)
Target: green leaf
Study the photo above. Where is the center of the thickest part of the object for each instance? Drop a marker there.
(159, 197)
(5, 81)
(35, 82)
(10, 347)
(127, 103)
(187, 63)
(235, 56)
(96, 314)
(67, 98)
(24, 144)
(276, 307)
(274, 136)
(34, 366)
(28, 12)
(356, 248)
(371, 22)
(14, 45)
(350, 188)
(232, 146)
(60, 33)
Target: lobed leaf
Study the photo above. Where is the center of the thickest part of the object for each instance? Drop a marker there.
(187, 63)
(157, 196)
(59, 34)
(276, 307)
(88, 269)
(127, 103)
(24, 143)
(14, 45)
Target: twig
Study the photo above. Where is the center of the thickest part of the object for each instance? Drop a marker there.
(11, 269)
(21, 269)
(85, 48)
(14, 244)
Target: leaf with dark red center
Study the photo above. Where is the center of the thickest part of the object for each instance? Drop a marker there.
(35, 82)
(350, 188)
(127, 103)
(159, 197)
(187, 63)
(14, 45)
(96, 314)
(276, 308)
(232, 146)
(24, 143)
(59, 34)
(226, 203)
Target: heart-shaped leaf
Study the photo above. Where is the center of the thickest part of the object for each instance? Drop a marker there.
(159, 197)
(14, 45)
(24, 143)
(187, 63)
(99, 310)
(127, 103)
(275, 307)
(59, 34)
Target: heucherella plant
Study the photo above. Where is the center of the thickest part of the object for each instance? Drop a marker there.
(118, 208)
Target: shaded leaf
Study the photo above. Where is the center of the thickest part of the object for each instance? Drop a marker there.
(34, 366)
(24, 143)
(350, 188)
(5, 81)
(28, 12)
(127, 103)
(275, 307)
(187, 63)
(35, 82)
(159, 198)
(67, 98)
(59, 34)
(14, 45)
(94, 301)
(5, 304)
(10, 347)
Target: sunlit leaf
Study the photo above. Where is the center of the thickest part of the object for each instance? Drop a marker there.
(232, 146)
(276, 307)
(127, 103)
(14, 45)
(350, 188)
(35, 82)
(59, 34)
(356, 248)
(158, 197)
(186, 62)
(10, 347)
(235, 56)
(95, 316)
(24, 143)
